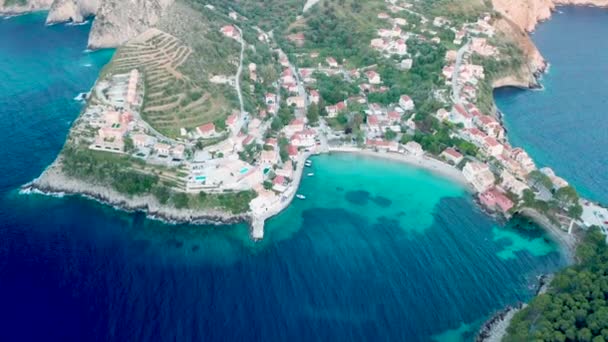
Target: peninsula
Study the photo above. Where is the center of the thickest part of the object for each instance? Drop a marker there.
(189, 133)
(208, 112)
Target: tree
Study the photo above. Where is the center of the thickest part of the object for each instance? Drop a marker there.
(566, 196)
(390, 134)
(574, 307)
(283, 152)
(539, 178)
(180, 200)
(313, 114)
(129, 147)
(575, 211)
(161, 193)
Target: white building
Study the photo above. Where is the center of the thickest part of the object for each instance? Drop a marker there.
(479, 175)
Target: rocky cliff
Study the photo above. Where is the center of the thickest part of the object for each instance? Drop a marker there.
(527, 13)
(118, 21)
(71, 10)
(526, 76)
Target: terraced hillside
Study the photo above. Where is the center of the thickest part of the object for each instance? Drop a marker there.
(172, 99)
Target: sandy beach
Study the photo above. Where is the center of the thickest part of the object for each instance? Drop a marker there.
(433, 165)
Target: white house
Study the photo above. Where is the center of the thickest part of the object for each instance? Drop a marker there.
(414, 149)
(406, 102)
(479, 175)
(451, 155)
(373, 77)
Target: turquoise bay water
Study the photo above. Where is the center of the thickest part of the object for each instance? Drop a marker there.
(377, 251)
(565, 126)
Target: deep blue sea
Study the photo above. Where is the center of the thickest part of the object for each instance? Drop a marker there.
(378, 250)
(565, 126)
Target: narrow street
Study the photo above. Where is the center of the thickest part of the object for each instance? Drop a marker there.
(455, 86)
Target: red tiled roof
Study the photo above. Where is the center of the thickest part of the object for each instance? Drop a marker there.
(292, 150)
(208, 127)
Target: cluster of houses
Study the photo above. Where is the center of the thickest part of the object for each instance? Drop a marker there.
(114, 123)
(503, 177)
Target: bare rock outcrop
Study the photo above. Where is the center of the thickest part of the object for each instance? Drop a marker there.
(118, 21)
(18, 7)
(71, 10)
(527, 74)
(527, 13)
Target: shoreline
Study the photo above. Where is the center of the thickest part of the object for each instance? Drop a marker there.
(435, 166)
(53, 182)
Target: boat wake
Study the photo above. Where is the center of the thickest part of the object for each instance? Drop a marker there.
(71, 23)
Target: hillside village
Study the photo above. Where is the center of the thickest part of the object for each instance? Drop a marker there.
(300, 99)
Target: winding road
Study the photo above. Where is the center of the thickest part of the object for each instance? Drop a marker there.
(237, 83)
(455, 86)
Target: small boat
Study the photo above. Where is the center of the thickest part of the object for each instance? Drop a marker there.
(300, 196)
(310, 174)
(308, 163)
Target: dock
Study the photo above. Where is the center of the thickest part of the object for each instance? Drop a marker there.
(257, 228)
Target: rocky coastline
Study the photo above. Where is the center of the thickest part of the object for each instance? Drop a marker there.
(54, 182)
(495, 328)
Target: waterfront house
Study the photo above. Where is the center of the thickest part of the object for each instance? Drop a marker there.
(303, 139)
(510, 183)
(451, 155)
(279, 184)
(414, 149)
(286, 170)
(382, 145)
(495, 199)
(479, 175)
(524, 160)
(492, 147)
(558, 182)
(292, 151)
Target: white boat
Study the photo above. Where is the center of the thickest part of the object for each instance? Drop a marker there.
(310, 174)
(301, 196)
